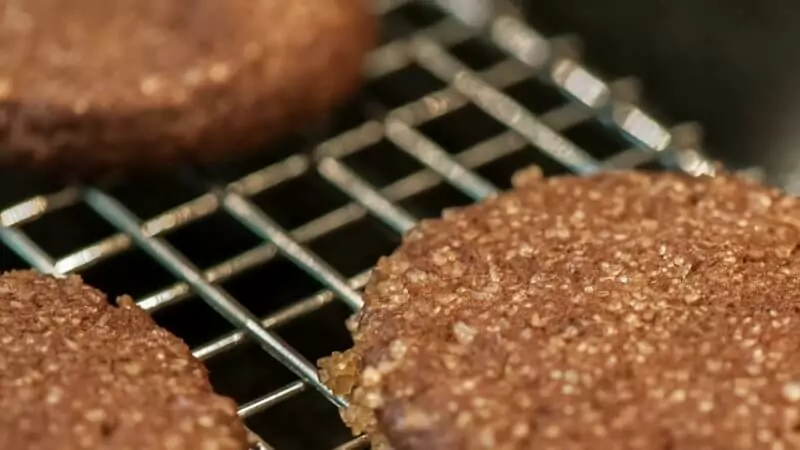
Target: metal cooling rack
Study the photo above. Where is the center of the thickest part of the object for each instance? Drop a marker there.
(447, 114)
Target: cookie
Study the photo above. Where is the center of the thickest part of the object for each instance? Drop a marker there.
(619, 310)
(98, 85)
(79, 373)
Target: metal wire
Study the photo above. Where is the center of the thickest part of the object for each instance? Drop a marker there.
(250, 215)
(529, 55)
(113, 211)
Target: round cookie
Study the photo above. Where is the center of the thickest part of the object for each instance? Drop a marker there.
(79, 373)
(90, 85)
(620, 310)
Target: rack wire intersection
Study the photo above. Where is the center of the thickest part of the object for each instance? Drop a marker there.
(428, 65)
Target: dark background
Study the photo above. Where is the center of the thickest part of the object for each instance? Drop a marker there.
(734, 66)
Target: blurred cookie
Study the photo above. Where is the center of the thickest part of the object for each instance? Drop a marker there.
(96, 85)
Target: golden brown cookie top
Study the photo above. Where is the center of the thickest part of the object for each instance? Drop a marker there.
(79, 373)
(634, 310)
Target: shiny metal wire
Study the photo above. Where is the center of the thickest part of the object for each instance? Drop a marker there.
(529, 54)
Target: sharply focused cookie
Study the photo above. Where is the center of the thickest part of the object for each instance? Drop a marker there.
(79, 373)
(89, 85)
(621, 310)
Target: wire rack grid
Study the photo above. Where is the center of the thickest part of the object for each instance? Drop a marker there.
(431, 46)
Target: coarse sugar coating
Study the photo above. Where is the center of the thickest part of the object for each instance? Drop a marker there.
(619, 310)
(78, 373)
